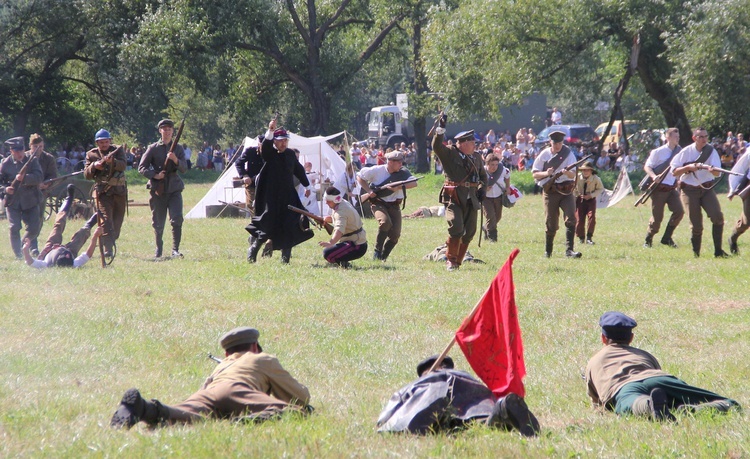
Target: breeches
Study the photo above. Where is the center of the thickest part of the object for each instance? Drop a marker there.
(553, 204)
(389, 220)
(160, 205)
(658, 200)
(16, 219)
(250, 200)
(462, 221)
(678, 393)
(695, 199)
(585, 210)
(56, 236)
(344, 251)
(112, 209)
(744, 222)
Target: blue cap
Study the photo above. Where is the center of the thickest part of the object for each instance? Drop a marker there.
(616, 325)
(102, 134)
(465, 135)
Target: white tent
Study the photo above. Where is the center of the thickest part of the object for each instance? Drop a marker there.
(315, 150)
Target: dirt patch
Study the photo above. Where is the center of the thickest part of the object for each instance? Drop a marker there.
(723, 305)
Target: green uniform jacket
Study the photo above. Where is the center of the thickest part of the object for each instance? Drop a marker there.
(458, 169)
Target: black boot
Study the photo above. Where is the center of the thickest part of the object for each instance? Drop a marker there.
(377, 254)
(286, 254)
(387, 247)
(252, 252)
(570, 236)
(511, 412)
(492, 235)
(666, 238)
(133, 409)
(159, 245)
(648, 243)
(733, 248)
(92, 222)
(696, 242)
(176, 239)
(65, 206)
(717, 231)
(549, 242)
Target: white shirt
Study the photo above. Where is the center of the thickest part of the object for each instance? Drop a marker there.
(545, 156)
(657, 157)
(498, 188)
(690, 154)
(79, 261)
(376, 175)
(556, 117)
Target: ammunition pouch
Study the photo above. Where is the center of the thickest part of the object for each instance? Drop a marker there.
(564, 187)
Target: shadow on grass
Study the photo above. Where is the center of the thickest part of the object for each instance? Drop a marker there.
(353, 267)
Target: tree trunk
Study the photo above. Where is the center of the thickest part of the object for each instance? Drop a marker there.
(420, 87)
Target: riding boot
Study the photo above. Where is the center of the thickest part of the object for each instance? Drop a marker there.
(377, 254)
(286, 254)
(570, 235)
(717, 231)
(733, 248)
(666, 238)
(649, 241)
(267, 250)
(91, 222)
(549, 242)
(176, 238)
(492, 235)
(696, 242)
(65, 206)
(462, 249)
(159, 244)
(15, 243)
(387, 247)
(451, 253)
(252, 252)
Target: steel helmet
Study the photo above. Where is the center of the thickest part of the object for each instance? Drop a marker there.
(102, 134)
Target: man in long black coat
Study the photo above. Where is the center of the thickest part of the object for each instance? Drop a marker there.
(275, 191)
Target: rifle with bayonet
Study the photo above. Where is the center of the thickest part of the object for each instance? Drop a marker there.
(387, 189)
(161, 185)
(550, 183)
(319, 221)
(16, 183)
(653, 186)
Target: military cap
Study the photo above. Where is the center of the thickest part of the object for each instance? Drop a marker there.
(16, 143)
(616, 325)
(238, 336)
(557, 135)
(280, 134)
(465, 135)
(395, 156)
(165, 122)
(427, 363)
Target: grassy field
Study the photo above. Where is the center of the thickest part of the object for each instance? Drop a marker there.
(72, 341)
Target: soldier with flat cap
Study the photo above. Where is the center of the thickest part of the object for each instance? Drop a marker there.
(248, 385)
(23, 200)
(626, 379)
(462, 192)
(161, 168)
(386, 203)
(48, 164)
(448, 399)
(552, 159)
(106, 165)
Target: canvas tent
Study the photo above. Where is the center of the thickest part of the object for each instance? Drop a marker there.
(315, 150)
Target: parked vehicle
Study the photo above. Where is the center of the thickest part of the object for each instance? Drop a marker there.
(616, 134)
(574, 134)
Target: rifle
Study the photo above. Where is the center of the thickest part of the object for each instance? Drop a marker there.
(62, 177)
(161, 187)
(707, 167)
(549, 183)
(214, 358)
(318, 220)
(16, 183)
(651, 188)
(390, 186)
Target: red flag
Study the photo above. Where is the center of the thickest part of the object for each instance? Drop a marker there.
(491, 338)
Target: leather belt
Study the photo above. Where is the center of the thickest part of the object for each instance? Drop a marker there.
(466, 184)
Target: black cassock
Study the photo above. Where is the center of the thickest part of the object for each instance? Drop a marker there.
(441, 400)
(275, 191)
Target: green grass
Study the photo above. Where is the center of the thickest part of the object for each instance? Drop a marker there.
(74, 340)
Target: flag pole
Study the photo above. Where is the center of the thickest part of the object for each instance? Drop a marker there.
(453, 341)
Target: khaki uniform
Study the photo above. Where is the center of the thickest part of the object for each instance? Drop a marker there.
(111, 192)
(243, 383)
(492, 204)
(664, 194)
(742, 166)
(586, 208)
(464, 177)
(353, 243)
(48, 164)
